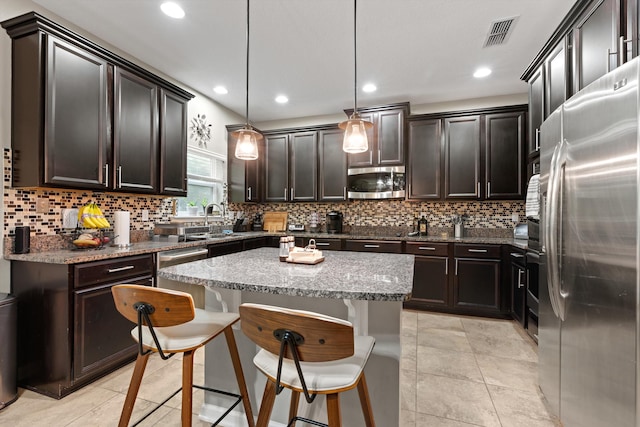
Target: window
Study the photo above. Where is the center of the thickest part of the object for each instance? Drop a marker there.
(205, 180)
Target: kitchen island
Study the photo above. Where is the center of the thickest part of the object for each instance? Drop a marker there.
(366, 288)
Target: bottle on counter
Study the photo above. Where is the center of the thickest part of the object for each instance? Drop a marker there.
(283, 252)
(422, 226)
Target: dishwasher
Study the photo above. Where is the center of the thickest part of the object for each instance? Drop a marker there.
(181, 256)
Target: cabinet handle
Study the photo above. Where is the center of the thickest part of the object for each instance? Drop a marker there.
(478, 189)
(322, 244)
(446, 266)
(520, 284)
(621, 49)
(488, 188)
(344, 193)
(106, 175)
(291, 194)
(537, 145)
(456, 272)
(371, 246)
(285, 193)
(516, 255)
(119, 176)
(379, 155)
(426, 248)
(481, 251)
(249, 190)
(115, 270)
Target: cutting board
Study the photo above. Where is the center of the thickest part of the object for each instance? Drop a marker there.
(274, 221)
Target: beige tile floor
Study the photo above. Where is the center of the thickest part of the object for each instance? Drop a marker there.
(455, 372)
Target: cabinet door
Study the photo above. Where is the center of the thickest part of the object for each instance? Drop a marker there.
(519, 293)
(77, 122)
(430, 280)
(367, 158)
(102, 336)
(504, 158)
(595, 42)
(390, 138)
(276, 164)
(536, 111)
(556, 78)
(173, 144)
(136, 133)
(476, 284)
(303, 172)
(243, 176)
(462, 157)
(425, 159)
(333, 166)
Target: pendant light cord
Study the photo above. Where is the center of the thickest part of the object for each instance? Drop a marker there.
(355, 58)
(247, 85)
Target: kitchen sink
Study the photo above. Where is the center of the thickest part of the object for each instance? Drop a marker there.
(205, 236)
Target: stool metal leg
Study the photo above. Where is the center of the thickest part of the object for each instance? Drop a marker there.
(187, 387)
(237, 367)
(268, 398)
(333, 410)
(365, 402)
(134, 387)
(293, 406)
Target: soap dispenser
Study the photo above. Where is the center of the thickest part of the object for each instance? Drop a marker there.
(422, 226)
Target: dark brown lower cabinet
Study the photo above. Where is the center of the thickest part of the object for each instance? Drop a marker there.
(430, 280)
(476, 284)
(69, 331)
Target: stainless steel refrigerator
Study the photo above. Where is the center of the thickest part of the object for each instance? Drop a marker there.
(588, 318)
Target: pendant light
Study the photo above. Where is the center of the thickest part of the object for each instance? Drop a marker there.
(355, 129)
(247, 138)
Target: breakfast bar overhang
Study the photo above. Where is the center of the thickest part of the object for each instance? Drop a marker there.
(365, 288)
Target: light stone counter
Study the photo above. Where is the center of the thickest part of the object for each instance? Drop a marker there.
(365, 288)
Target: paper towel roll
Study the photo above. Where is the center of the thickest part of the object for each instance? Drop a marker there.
(121, 228)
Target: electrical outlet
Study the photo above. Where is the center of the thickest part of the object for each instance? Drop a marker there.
(515, 218)
(145, 214)
(69, 218)
(42, 205)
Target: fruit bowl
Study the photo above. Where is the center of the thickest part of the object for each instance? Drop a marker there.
(84, 239)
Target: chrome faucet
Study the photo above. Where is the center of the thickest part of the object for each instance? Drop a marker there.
(206, 212)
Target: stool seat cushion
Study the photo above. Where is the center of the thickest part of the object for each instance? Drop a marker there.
(319, 376)
(189, 335)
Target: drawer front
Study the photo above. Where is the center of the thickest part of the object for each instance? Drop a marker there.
(373, 246)
(477, 251)
(327, 244)
(427, 248)
(112, 270)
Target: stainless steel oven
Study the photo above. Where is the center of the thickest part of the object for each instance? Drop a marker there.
(181, 256)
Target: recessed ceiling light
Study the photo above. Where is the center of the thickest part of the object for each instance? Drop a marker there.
(220, 90)
(369, 87)
(172, 9)
(281, 99)
(482, 72)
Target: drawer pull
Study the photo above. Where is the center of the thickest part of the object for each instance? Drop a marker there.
(481, 251)
(115, 270)
(426, 248)
(516, 255)
(322, 244)
(371, 246)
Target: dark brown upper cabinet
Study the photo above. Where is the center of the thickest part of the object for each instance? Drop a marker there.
(556, 78)
(83, 117)
(504, 155)
(244, 177)
(173, 144)
(462, 157)
(332, 173)
(424, 159)
(135, 122)
(386, 138)
(291, 167)
(536, 111)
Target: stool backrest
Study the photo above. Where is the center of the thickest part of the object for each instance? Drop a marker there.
(170, 307)
(325, 338)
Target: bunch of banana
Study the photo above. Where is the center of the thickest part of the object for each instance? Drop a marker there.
(90, 216)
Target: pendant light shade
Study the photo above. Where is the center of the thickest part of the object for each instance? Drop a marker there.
(247, 138)
(355, 129)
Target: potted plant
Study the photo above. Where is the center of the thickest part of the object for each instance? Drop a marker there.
(192, 209)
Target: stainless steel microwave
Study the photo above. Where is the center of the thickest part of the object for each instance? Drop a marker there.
(383, 182)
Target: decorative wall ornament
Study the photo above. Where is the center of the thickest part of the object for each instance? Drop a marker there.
(200, 130)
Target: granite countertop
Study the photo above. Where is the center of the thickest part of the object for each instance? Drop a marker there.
(69, 256)
(342, 275)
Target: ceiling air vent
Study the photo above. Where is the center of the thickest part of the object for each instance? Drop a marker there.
(499, 31)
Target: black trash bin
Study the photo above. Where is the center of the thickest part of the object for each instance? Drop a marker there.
(8, 350)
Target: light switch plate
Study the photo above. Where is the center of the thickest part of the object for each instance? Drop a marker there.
(515, 218)
(69, 218)
(145, 214)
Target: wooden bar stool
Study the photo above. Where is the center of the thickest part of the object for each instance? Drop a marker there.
(168, 323)
(307, 353)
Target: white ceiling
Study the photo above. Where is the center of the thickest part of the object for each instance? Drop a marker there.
(421, 51)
